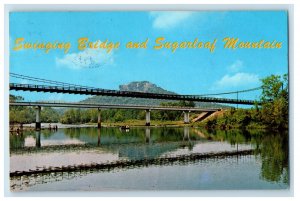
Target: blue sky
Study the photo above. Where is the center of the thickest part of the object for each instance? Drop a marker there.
(186, 71)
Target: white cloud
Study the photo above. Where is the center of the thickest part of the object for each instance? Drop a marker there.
(237, 80)
(88, 58)
(234, 79)
(167, 20)
(236, 66)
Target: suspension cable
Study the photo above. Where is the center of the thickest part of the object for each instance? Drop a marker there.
(233, 92)
(25, 77)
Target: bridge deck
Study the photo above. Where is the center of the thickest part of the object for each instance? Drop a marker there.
(105, 92)
(104, 106)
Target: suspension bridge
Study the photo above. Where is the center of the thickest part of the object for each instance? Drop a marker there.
(51, 86)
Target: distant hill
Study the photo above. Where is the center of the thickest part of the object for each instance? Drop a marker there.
(143, 86)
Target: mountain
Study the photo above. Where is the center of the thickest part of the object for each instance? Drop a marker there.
(142, 86)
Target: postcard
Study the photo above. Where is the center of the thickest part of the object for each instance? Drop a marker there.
(148, 100)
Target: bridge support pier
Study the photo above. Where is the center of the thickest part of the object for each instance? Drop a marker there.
(186, 117)
(147, 117)
(99, 118)
(38, 118)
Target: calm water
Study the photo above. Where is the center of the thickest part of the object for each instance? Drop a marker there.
(148, 159)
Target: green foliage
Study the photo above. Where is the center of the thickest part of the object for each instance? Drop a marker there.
(13, 98)
(273, 113)
(119, 115)
(172, 115)
(234, 118)
(72, 116)
(274, 99)
(19, 114)
(49, 115)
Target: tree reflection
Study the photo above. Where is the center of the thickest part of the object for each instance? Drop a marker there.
(16, 141)
(275, 157)
(273, 148)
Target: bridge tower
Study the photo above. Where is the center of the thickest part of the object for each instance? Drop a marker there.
(186, 117)
(148, 117)
(38, 118)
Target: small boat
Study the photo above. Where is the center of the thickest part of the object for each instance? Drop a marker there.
(125, 128)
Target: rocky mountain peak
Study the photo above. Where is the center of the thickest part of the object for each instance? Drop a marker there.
(143, 86)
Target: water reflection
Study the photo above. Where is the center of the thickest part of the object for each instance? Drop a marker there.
(99, 137)
(274, 154)
(104, 136)
(38, 138)
(147, 134)
(25, 181)
(186, 135)
(272, 147)
(77, 146)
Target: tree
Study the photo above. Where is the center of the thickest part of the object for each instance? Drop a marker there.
(49, 115)
(274, 100)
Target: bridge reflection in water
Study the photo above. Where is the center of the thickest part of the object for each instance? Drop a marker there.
(80, 152)
(20, 181)
(130, 144)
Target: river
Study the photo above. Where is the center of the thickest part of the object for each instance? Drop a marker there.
(148, 158)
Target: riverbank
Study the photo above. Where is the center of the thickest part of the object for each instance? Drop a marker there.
(131, 123)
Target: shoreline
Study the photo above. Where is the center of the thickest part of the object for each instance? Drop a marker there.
(31, 126)
(44, 126)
